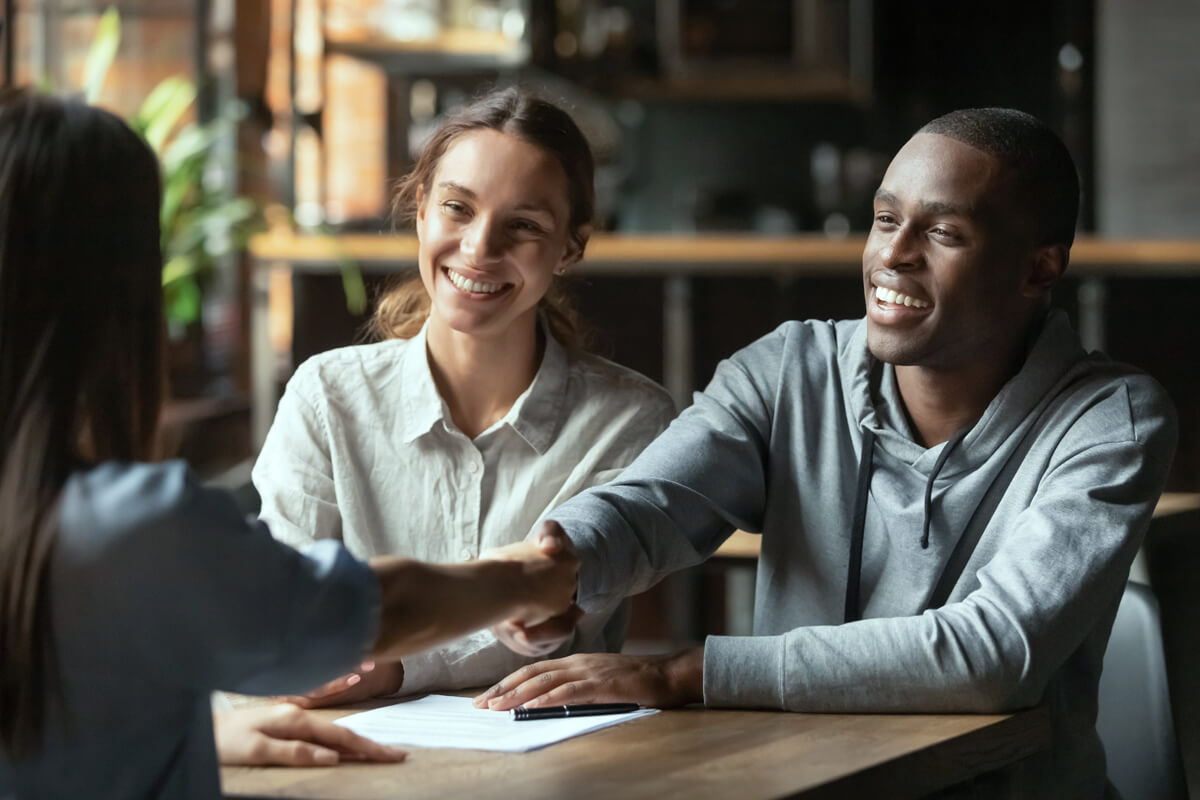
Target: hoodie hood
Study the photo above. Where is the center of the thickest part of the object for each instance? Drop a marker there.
(912, 488)
(866, 381)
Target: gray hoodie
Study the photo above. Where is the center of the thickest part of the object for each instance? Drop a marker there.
(992, 564)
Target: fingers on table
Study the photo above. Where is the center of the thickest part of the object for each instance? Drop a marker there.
(298, 738)
(547, 683)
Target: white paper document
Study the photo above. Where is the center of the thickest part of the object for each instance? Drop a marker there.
(441, 721)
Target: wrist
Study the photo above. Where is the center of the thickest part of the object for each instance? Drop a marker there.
(684, 673)
(511, 592)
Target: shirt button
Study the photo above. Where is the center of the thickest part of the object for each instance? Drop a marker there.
(472, 467)
(465, 554)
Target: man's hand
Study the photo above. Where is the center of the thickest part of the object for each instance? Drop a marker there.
(538, 640)
(370, 680)
(548, 577)
(287, 735)
(657, 681)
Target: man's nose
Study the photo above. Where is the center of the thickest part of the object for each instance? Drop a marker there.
(900, 251)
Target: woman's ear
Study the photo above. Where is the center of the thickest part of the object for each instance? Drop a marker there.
(420, 220)
(573, 253)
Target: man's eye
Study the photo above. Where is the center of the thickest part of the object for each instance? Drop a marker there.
(884, 219)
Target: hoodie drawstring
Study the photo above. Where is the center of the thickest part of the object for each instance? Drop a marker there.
(937, 467)
(854, 569)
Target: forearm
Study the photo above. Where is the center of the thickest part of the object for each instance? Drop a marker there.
(673, 507)
(913, 665)
(423, 605)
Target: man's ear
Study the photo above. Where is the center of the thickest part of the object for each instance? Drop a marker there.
(1047, 265)
(574, 249)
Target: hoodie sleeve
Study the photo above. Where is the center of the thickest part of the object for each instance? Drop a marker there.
(1053, 581)
(670, 509)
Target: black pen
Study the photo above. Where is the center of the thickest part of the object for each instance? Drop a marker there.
(563, 712)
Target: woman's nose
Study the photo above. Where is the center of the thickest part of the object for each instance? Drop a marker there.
(481, 241)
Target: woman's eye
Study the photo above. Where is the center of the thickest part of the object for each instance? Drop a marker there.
(454, 207)
(526, 226)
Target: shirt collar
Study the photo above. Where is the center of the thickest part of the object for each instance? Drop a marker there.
(538, 413)
(536, 416)
(423, 406)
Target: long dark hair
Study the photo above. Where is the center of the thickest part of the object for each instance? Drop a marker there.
(403, 308)
(80, 351)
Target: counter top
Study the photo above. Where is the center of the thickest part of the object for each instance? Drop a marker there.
(720, 254)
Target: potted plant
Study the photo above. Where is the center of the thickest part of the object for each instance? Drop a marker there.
(202, 223)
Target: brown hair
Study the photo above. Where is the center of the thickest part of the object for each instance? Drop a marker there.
(402, 308)
(80, 352)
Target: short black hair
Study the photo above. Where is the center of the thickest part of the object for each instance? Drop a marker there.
(1046, 181)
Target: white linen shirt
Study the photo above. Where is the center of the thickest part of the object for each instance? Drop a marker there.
(363, 449)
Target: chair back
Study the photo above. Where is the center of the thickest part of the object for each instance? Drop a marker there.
(1172, 558)
(1134, 720)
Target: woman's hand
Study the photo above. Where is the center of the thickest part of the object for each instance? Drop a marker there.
(658, 681)
(284, 734)
(547, 582)
(370, 680)
(538, 640)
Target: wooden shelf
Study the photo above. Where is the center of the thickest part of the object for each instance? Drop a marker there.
(454, 48)
(725, 254)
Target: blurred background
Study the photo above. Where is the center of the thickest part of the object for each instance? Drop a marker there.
(738, 146)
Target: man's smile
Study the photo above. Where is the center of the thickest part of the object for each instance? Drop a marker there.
(892, 297)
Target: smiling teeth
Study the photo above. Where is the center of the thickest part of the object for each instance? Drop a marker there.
(468, 285)
(892, 296)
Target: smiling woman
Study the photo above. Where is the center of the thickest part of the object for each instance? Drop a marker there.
(479, 411)
(546, 133)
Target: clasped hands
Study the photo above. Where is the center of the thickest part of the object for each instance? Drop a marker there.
(545, 585)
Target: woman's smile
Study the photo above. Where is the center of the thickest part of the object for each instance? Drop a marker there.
(474, 288)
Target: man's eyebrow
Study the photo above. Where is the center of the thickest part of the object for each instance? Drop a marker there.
(932, 207)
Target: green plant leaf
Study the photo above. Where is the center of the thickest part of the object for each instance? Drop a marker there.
(352, 286)
(183, 300)
(177, 268)
(101, 54)
(180, 187)
(162, 110)
(193, 142)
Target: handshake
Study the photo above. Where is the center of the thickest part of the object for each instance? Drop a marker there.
(525, 591)
(543, 627)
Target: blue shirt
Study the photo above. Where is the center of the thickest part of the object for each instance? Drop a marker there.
(161, 592)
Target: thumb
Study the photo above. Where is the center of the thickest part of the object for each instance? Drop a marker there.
(551, 538)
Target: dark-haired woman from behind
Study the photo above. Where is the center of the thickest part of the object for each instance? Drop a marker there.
(479, 411)
(128, 592)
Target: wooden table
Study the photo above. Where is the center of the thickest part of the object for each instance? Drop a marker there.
(692, 753)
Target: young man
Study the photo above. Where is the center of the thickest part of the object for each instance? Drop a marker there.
(950, 491)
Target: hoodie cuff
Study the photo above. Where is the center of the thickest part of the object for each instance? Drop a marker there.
(744, 672)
